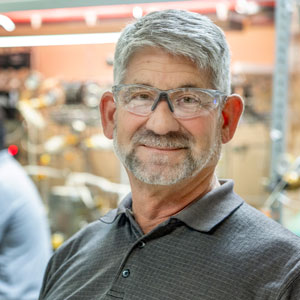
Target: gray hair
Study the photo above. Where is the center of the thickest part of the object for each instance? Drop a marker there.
(181, 33)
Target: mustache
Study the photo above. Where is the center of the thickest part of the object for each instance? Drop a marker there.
(170, 140)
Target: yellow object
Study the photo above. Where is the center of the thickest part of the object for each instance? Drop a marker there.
(71, 139)
(88, 143)
(293, 179)
(57, 239)
(69, 156)
(45, 159)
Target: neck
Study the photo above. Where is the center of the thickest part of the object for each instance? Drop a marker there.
(153, 204)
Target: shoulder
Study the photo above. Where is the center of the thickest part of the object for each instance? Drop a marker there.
(15, 184)
(264, 232)
(86, 239)
(258, 223)
(20, 202)
(78, 252)
(266, 247)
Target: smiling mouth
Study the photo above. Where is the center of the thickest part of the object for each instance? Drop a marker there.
(158, 148)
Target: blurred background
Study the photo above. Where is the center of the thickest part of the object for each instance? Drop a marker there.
(56, 60)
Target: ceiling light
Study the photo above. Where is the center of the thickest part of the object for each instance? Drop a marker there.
(36, 21)
(90, 18)
(137, 12)
(222, 11)
(7, 23)
(58, 39)
(247, 7)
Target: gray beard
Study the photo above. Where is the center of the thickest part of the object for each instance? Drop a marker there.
(167, 173)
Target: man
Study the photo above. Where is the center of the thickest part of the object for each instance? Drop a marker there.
(24, 233)
(181, 233)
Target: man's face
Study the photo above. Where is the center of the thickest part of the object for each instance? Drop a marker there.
(159, 149)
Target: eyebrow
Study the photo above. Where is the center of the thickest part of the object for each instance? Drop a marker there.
(188, 86)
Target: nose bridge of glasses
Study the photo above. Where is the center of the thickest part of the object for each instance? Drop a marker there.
(163, 96)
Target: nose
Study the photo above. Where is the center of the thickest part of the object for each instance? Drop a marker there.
(163, 96)
(161, 120)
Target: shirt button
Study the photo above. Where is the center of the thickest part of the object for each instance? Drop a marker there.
(126, 273)
(141, 244)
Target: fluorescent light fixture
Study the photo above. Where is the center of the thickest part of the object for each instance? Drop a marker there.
(7, 23)
(137, 12)
(222, 11)
(36, 21)
(59, 39)
(90, 18)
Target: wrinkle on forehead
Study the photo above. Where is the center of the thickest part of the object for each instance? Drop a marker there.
(160, 63)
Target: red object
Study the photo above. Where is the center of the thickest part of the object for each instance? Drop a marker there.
(59, 15)
(13, 150)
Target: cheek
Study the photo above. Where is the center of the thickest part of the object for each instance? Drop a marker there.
(127, 124)
(204, 130)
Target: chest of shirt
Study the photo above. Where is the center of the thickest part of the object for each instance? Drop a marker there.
(175, 262)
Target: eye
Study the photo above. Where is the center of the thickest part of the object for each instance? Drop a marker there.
(139, 98)
(188, 100)
(142, 96)
(136, 96)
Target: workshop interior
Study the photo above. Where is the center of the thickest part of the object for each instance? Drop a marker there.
(56, 60)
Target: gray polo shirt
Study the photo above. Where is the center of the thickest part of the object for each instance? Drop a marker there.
(216, 248)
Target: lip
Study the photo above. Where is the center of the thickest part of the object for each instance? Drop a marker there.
(159, 149)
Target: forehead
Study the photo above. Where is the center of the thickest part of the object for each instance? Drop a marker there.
(156, 67)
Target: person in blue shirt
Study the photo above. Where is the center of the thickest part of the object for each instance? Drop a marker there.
(24, 233)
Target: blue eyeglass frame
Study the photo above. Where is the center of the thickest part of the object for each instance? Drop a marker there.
(164, 94)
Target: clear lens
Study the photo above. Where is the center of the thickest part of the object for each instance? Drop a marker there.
(187, 102)
(138, 100)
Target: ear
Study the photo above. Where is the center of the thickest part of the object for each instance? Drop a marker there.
(231, 112)
(107, 111)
